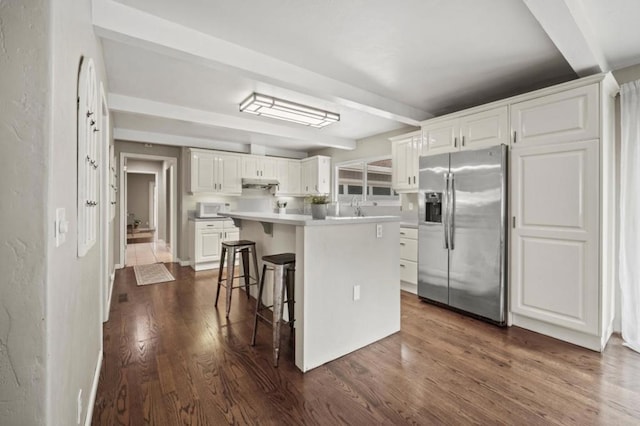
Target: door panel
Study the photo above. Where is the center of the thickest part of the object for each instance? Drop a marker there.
(441, 137)
(555, 253)
(484, 129)
(433, 257)
(476, 267)
(567, 116)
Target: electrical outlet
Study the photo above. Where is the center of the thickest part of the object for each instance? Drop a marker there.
(410, 206)
(356, 292)
(378, 230)
(79, 416)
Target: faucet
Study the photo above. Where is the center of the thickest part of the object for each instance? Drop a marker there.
(355, 203)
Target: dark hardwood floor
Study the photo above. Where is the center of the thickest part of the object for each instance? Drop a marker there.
(171, 358)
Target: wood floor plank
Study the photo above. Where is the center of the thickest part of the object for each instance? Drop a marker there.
(172, 358)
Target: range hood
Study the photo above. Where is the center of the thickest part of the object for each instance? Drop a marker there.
(257, 183)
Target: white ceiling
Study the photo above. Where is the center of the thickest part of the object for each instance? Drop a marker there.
(178, 70)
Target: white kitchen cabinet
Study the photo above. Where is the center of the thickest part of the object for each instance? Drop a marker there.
(214, 173)
(409, 259)
(562, 266)
(255, 166)
(485, 129)
(566, 116)
(230, 173)
(441, 137)
(288, 176)
(467, 131)
(205, 239)
(405, 150)
(316, 175)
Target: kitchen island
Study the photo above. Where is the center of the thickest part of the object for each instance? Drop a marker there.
(347, 280)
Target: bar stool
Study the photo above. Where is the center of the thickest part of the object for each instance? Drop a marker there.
(243, 247)
(283, 266)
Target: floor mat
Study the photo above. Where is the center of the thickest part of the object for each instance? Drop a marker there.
(152, 274)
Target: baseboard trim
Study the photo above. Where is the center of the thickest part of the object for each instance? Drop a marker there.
(112, 279)
(118, 266)
(94, 391)
(184, 262)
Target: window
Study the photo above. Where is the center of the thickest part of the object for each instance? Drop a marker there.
(88, 174)
(364, 180)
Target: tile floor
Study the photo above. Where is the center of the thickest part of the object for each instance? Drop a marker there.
(148, 253)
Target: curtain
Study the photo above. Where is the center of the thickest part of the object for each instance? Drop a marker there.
(630, 214)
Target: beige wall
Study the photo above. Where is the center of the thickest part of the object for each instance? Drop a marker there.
(24, 125)
(138, 196)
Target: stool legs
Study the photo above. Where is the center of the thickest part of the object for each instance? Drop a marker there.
(221, 267)
(278, 297)
(290, 277)
(258, 305)
(245, 267)
(231, 263)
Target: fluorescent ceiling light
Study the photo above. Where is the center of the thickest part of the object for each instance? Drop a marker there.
(284, 110)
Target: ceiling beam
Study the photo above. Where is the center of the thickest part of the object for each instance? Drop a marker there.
(567, 26)
(129, 135)
(132, 105)
(116, 21)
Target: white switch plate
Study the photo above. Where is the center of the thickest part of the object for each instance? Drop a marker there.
(410, 206)
(378, 230)
(356, 292)
(60, 226)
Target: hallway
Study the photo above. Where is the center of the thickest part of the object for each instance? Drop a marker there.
(148, 253)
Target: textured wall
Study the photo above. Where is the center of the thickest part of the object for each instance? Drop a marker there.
(74, 324)
(24, 87)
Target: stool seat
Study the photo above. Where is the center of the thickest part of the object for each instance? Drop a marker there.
(238, 243)
(280, 259)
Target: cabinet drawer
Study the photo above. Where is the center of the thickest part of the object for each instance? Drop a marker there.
(409, 271)
(213, 224)
(410, 233)
(409, 249)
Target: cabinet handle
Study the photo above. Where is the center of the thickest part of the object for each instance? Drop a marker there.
(513, 221)
(463, 141)
(455, 142)
(515, 136)
(402, 265)
(402, 233)
(414, 179)
(402, 244)
(408, 180)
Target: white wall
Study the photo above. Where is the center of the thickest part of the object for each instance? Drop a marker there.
(158, 168)
(73, 321)
(24, 90)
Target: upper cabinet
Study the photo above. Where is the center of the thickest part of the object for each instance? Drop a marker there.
(288, 176)
(254, 166)
(405, 150)
(472, 131)
(214, 172)
(316, 175)
(563, 117)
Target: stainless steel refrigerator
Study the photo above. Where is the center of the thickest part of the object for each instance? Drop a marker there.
(462, 252)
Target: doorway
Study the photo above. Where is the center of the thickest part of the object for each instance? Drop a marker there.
(147, 227)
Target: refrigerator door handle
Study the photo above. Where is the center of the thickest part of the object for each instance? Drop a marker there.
(451, 204)
(444, 213)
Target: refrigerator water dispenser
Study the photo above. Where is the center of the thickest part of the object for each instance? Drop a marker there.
(433, 207)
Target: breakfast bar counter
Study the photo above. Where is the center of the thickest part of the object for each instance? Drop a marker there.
(347, 279)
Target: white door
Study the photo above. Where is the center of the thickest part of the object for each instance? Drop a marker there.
(250, 167)
(400, 158)
(268, 168)
(230, 172)
(294, 177)
(554, 250)
(322, 175)
(486, 128)
(441, 137)
(202, 172)
(564, 117)
(207, 245)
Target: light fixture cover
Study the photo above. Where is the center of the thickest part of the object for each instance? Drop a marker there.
(268, 106)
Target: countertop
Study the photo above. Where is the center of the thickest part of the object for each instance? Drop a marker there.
(306, 220)
(207, 219)
(408, 225)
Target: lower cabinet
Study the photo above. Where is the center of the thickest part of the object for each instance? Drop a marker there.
(205, 239)
(409, 259)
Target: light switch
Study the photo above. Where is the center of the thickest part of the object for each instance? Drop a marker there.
(61, 227)
(378, 230)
